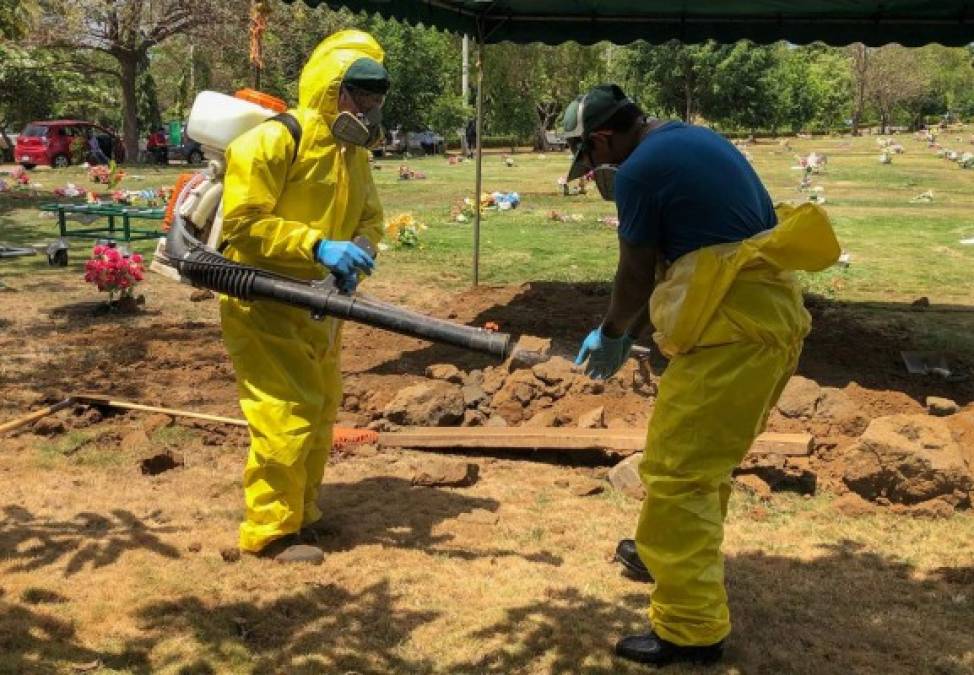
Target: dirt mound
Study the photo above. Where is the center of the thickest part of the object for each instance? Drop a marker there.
(909, 459)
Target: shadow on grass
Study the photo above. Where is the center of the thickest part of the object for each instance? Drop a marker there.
(29, 542)
(33, 641)
(374, 511)
(847, 611)
(849, 342)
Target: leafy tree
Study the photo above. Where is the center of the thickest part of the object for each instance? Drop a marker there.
(27, 89)
(424, 66)
(830, 73)
(529, 86)
(671, 78)
(743, 91)
(15, 18)
(895, 81)
(125, 30)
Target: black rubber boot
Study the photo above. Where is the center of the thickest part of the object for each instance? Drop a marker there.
(653, 650)
(632, 566)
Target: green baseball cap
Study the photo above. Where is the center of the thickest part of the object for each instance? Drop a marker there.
(367, 74)
(586, 114)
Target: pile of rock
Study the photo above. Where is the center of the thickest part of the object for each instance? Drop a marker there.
(909, 462)
(514, 393)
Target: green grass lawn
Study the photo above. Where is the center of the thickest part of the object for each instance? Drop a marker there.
(900, 250)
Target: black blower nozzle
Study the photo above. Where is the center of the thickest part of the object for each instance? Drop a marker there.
(207, 268)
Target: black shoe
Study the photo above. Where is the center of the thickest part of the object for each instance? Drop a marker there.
(632, 566)
(653, 650)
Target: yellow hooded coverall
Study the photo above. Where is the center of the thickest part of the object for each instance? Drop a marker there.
(731, 319)
(276, 206)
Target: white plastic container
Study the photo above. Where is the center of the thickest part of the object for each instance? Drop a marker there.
(216, 119)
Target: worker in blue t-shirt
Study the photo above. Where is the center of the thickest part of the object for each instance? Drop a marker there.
(704, 260)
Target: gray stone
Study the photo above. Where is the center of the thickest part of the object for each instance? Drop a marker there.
(301, 553)
(473, 418)
(624, 477)
(799, 397)
(528, 352)
(473, 395)
(941, 407)
(447, 473)
(445, 371)
(593, 419)
(429, 404)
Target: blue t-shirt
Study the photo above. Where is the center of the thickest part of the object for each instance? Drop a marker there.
(686, 187)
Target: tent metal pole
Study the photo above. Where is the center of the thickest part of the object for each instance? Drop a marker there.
(479, 178)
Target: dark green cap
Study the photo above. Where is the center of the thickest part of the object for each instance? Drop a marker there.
(586, 114)
(367, 74)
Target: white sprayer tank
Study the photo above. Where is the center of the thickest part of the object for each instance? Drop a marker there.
(216, 119)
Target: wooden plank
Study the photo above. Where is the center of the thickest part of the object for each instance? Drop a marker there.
(560, 438)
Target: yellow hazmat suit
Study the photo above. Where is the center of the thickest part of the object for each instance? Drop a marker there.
(731, 319)
(276, 206)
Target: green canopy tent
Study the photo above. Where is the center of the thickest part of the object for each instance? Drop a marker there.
(836, 22)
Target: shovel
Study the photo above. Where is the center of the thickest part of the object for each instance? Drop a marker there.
(930, 363)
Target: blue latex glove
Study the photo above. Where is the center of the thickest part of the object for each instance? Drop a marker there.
(605, 355)
(344, 258)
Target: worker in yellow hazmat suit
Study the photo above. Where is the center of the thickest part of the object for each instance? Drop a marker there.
(727, 312)
(292, 204)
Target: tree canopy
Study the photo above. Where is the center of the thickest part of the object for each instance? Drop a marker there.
(135, 63)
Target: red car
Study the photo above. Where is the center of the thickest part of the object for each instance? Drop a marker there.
(50, 143)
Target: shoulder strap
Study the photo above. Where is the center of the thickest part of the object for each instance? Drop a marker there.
(292, 124)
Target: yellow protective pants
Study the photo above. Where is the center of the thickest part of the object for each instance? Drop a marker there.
(731, 319)
(289, 383)
(712, 404)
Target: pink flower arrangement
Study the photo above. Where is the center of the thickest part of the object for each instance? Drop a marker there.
(113, 272)
(110, 175)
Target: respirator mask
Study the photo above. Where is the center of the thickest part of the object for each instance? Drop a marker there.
(361, 129)
(358, 129)
(605, 180)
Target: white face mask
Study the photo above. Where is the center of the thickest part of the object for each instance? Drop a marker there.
(605, 180)
(357, 129)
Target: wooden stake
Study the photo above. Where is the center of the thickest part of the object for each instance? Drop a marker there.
(108, 402)
(36, 415)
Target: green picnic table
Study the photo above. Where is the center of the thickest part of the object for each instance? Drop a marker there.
(114, 213)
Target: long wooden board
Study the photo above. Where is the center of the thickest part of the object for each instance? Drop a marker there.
(561, 438)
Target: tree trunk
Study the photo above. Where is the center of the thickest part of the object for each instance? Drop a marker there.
(689, 107)
(6, 144)
(129, 69)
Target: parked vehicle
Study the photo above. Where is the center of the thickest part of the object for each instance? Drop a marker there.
(49, 142)
(188, 150)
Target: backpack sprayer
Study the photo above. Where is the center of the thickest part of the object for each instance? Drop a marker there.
(196, 217)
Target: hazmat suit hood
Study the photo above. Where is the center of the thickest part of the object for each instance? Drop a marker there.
(321, 78)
